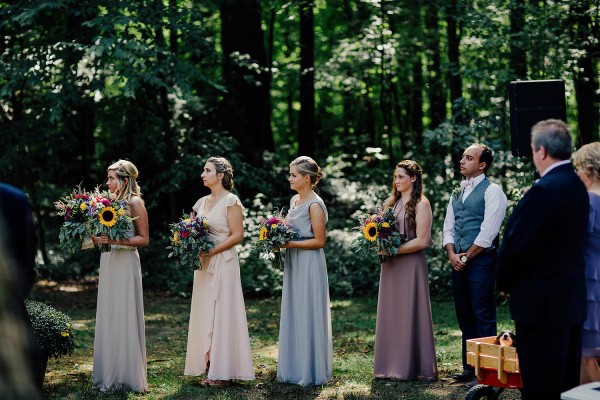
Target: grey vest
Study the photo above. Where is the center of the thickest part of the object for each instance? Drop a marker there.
(468, 216)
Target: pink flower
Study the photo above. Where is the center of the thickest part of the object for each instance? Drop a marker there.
(106, 202)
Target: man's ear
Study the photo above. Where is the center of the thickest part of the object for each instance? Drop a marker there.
(482, 165)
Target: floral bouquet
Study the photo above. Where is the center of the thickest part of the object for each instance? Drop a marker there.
(109, 216)
(189, 237)
(274, 232)
(92, 213)
(378, 234)
(75, 229)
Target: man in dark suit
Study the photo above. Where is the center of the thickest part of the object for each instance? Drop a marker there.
(541, 267)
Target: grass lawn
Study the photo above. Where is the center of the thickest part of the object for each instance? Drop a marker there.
(166, 335)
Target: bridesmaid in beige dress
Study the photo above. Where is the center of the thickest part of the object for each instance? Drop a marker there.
(120, 341)
(218, 342)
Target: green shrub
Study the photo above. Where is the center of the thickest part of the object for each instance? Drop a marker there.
(52, 328)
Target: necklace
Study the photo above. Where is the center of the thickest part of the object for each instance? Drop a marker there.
(211, 201)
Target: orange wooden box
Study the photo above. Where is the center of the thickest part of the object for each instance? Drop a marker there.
(482, 353)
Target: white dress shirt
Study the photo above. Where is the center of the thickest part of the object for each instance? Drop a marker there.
(495, 210)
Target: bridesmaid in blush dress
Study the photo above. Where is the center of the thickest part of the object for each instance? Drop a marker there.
(120, 339)
(404, 348)
(305, 342)
(218, 342)
(587, 161)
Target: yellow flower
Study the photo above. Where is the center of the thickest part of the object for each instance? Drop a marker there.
(175, 238)
(108, 216)
(263, 233)
(83, 206)
(121, 211)
(370, 231)
(273, 226)
(385, 225)
(64, 334)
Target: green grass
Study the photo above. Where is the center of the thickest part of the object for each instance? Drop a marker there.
(166, 335)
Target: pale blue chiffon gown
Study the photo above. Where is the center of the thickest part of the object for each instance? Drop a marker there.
(305, 343)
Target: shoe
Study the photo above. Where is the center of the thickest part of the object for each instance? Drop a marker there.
(472, 383)
(465, 376)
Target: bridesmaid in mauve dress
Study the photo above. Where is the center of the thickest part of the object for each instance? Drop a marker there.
(305, 342)
(218, 342)
(587, 161)
(404, 348)
(120, 339)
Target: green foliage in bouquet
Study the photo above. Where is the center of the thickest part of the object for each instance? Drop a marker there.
(189, 237)
(378, 233)
(75, 209)
(274, 232)
(53, 329)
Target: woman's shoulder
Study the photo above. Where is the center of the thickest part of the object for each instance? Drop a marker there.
(198, 202)
(423, 203)
(135, 201)
(232, 199)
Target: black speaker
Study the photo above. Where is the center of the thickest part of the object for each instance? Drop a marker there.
(531, 102)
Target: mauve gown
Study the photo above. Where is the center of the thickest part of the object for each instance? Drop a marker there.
(591, 327)
(120, 339)
(404, 346)
(218, 328)
(305, 341)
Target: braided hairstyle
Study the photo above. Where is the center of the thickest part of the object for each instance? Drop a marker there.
(223, 166)
(413, 170)
(126, 169)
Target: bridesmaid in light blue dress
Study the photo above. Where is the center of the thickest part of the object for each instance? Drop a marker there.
(305, 343)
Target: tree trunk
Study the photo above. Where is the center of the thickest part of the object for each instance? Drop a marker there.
(437, 91)
(518, 57)
(417, 100)
(246, 106)
(306, 126)
(454, 78)
(586, 77)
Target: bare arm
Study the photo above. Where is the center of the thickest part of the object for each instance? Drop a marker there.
(140, 224)
(317, 220)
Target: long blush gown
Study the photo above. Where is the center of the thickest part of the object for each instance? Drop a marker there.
(218, 330)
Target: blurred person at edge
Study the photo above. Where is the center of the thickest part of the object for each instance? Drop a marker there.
(21, 369)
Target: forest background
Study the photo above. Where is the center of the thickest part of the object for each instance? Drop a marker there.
(357, 84)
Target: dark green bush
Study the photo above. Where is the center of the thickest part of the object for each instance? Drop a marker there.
(53, 329)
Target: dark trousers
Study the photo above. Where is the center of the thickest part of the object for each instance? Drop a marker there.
(549, 358)
(474, 299)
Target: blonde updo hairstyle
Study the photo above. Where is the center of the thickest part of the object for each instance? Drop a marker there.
(223, 166)
(306, 166)
(587, 158)
(125, 169)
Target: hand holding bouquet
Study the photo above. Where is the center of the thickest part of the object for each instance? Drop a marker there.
(378, 234)
(109, 216)
(88, 214)
(274, 232)
(189, 237)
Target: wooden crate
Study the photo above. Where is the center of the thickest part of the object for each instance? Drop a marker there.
(483, 353)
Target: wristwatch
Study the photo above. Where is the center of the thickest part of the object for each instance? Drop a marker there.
(464, 258)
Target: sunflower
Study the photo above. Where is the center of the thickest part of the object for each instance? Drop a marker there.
(108, 216)
(263, 233)
(370, 231)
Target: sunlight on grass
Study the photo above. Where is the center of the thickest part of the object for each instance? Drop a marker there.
(353, 323)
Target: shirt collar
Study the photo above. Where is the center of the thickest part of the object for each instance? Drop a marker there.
(555, 165)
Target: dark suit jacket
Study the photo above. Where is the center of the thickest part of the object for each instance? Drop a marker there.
(541, 257)
(18, 232)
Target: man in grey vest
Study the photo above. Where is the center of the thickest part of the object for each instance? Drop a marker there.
(473, 219)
